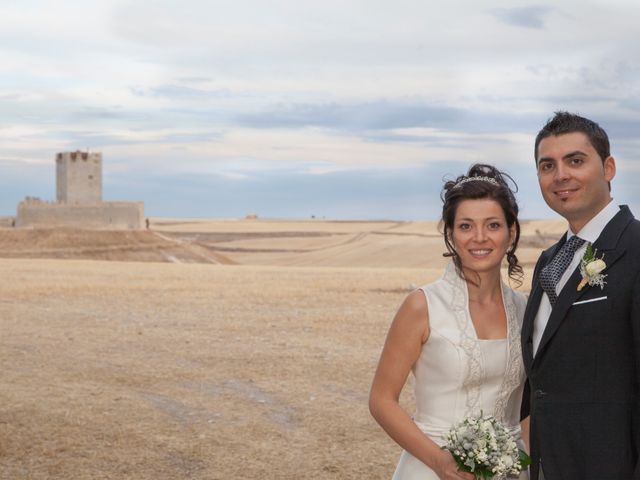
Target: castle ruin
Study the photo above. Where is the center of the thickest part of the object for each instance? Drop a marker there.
(79, 199)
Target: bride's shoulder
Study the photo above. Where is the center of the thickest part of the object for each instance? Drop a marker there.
(519, 298)
(416, 301)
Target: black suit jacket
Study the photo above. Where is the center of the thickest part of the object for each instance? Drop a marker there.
(583, 384)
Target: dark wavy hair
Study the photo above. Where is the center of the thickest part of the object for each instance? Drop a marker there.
(565, 122)
(455, 191)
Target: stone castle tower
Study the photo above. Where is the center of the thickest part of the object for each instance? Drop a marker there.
(79, 199)
(79, 177)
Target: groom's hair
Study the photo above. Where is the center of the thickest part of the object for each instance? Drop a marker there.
(565, 122)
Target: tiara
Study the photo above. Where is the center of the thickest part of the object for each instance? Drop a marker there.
(477, 179)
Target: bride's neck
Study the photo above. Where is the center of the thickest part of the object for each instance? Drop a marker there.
(484, 287)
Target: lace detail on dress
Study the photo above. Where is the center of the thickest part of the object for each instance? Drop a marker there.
(468, 340)
(515, 366)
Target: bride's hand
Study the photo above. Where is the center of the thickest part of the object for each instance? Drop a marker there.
(447, 469)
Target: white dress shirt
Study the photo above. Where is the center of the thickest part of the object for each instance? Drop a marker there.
(590, 232)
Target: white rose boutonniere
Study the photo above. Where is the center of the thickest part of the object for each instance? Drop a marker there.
(591, 269)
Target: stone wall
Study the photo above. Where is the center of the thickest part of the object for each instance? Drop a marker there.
(98, 216)
(7, 222)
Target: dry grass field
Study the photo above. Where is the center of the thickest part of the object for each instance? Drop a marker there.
(204, 349)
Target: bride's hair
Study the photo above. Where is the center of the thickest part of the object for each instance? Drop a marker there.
(481, 181)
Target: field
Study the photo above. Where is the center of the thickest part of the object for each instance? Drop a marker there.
(205, 349)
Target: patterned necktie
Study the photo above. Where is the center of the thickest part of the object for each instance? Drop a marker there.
(551, 273)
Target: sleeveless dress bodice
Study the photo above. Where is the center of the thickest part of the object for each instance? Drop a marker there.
(457, 374)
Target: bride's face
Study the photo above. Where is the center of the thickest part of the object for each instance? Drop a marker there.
(480, 234)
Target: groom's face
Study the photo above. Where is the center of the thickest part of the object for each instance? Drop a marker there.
(573, 178)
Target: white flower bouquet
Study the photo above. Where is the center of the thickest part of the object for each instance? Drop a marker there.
(483, 446)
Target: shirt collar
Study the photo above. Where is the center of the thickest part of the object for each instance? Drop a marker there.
(592, 230)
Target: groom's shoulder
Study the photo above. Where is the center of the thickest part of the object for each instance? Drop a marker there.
(630, 239)
(634, 226)
(627, 217)
(632, 230)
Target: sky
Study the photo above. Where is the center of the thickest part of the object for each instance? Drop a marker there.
(291, 109)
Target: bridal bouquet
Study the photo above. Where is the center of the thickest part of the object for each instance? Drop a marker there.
(483, 446)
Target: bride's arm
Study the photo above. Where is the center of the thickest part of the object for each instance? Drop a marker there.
(408, 331)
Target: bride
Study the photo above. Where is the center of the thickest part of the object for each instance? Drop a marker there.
(459, 336)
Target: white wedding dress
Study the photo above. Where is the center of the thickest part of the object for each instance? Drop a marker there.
(458, 374)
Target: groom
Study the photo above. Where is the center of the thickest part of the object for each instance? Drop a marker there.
(581, 330)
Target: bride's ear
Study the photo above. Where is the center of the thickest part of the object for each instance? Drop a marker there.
(450, 238)
(512, 235)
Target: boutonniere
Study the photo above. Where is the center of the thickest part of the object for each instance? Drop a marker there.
(591, 268)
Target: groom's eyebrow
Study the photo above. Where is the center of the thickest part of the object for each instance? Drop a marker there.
(575, 153)
(546, 159)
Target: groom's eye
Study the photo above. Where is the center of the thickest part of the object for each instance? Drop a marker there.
(545, 166)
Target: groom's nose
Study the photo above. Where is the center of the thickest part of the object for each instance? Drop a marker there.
(562, 173)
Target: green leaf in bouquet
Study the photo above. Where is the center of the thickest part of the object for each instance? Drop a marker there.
(524, 459)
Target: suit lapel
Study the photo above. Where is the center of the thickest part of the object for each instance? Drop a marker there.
(527, 324)
(534, 303)
(605, 244)
(530, 314)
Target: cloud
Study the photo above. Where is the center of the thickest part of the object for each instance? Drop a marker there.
(530, 16)
(181, 92)
(385, 115)
(109, 114)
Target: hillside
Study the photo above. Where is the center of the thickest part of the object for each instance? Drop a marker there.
(262, 242)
